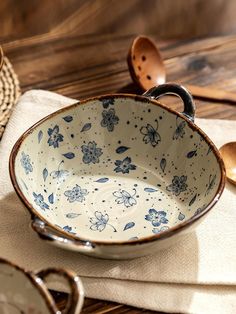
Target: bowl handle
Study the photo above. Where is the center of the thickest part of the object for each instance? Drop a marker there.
(46, 233)
(76, 291)
(178, 90)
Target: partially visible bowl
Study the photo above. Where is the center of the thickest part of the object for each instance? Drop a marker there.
(22, 291)
(117, 176)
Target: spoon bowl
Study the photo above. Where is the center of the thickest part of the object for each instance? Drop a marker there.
(228, 153)
(145, 63)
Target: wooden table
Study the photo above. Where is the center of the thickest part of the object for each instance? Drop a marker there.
(82, 66)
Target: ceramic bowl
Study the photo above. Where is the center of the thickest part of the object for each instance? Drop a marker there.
(116, 175)
(26, 292)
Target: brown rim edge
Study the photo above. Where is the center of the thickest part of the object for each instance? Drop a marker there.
(161, 235)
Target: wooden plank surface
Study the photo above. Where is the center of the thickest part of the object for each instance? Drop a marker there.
(20, 19)
(83, 66)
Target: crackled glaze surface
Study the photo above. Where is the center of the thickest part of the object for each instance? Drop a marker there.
(115, 169)
(18, 294)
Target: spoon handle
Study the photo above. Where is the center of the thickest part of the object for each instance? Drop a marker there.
(211, 93)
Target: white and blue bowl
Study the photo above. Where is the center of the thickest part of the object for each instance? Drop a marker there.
(117, 176)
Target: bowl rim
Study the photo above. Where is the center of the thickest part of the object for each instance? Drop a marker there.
(165, 234)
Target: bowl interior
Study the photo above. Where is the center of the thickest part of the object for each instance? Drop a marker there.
(115, 169)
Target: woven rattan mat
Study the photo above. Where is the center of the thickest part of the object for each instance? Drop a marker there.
(9, 93)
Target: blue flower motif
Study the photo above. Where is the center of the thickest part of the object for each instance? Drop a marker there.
(159, 230)
(109, 119)
(123, 197)
(178, 185)
(39, 200)
(25, 162)
(150, 135)
(99, 222)
(124, 166)
(54, 136)
(91, 153)
(179, 132)
(68, 229)
(107, 101)
(156, 217)
(60, 175)
(76, 194)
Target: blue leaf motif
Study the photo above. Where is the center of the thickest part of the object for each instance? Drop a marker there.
(191, 154)
(24, 185)
(69, 155)
(163, 164)
(150, 190)
(72, 215)
(129, 225)
(121, 149)
(181, 216)
(102, 180)
(51, 198)
(86, 127)
(45, 174)
(209, 150)
(68, 118)
(193, 200)
(40, 136)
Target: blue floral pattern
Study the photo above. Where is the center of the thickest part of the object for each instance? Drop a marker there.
(26, 163)
(39, 200)
(156, 217)
(76, 194)
(150, 135)
(124, 165)
(54, 137)
(109, 119)
(68, 229)
(107, 101)
(99, 222)
(124, 197)
(212, 180)
(60, 175)
(92, 168)
(91, 153)
(178, 185)
(179, 132)
(159, 230)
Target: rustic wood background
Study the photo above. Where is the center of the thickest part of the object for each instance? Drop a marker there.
(164, 18)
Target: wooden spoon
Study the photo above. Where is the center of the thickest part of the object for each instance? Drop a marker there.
(147, 70)
(228, 153)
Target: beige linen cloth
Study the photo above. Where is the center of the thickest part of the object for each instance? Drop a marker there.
(197, 275)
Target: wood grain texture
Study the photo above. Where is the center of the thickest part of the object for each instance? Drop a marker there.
(24, 18)
(84, 66)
